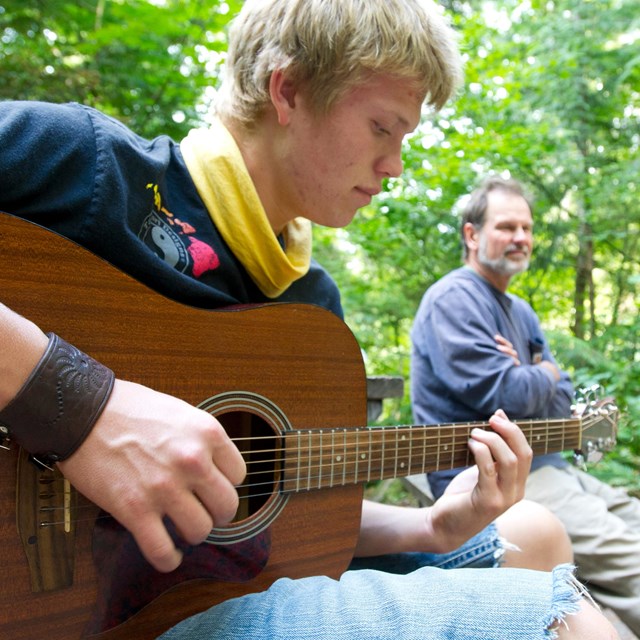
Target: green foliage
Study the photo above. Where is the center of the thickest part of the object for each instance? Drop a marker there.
(147, 63)
(603, 362)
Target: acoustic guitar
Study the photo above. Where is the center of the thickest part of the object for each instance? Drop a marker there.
(288, 383)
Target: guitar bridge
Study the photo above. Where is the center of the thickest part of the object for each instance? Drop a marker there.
(45, 507)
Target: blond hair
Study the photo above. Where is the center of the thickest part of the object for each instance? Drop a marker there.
(331, 46)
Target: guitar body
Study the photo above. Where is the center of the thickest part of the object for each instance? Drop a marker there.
(299, 360)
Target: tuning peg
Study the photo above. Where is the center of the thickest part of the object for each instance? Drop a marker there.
(579, 461)
(585, 396)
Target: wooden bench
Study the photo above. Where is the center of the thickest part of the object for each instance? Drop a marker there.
(419, 488)
(378, 389)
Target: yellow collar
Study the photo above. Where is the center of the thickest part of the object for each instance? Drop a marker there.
(223, 182)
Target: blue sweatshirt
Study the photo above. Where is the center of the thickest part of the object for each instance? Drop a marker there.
(457, 372)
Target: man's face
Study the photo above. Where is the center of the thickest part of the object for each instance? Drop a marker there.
(505, 241)
(335, 163)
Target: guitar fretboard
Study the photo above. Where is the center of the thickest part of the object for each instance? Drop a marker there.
(324, 458)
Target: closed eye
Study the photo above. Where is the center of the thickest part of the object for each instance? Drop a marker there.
(381, 129)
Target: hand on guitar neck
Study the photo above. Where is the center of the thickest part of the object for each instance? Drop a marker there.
(503, 458)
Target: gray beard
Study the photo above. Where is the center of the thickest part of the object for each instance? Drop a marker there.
(502, 265)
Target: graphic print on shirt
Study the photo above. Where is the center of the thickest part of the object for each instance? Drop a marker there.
(174, 241)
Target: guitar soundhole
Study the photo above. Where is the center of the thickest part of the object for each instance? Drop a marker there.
(256, 426)
(257, 443)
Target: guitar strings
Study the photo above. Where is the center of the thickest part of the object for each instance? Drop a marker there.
(313, 461)
(380, 434)
(311, 482)
(400, 439)
(344, 449)
(417, 446)
(423, 442)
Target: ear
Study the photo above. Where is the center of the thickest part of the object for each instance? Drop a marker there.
(283, 95)
(470, 236)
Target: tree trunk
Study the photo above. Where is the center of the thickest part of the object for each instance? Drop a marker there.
(584, 282)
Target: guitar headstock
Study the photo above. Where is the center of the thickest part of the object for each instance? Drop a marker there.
(599, 425)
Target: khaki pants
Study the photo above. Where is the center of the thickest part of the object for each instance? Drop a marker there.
(604, 526)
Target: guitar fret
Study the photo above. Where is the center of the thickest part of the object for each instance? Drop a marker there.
(364, 456)
(408, 470)
(355, 473)
(546, 446)
(403, 463)
(395, 455)
(370, 454)
(453, 448)
(299, 435)
(344, 458)
(333, 455)
(321, 434)
(533, 439)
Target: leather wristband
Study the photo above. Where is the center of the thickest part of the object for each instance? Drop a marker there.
(58, 405)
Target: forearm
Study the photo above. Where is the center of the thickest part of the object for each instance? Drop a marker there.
(22, 344)
(391, 529)
(527, 390)
(438, 529)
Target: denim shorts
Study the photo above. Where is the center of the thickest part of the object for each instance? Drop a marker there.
(426, 604)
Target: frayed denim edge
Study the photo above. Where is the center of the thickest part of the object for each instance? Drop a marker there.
(504, 546)
(567, 593)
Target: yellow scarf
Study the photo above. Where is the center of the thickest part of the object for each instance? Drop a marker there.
(223, 182)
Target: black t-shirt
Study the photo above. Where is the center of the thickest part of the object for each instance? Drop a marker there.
(131, 201)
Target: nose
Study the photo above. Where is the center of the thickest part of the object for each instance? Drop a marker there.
(521, 235)
(391, 164)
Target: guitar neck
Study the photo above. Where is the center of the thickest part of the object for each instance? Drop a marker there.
(319, 459)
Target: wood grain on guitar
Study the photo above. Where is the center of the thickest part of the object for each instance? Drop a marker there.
(288, 384)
